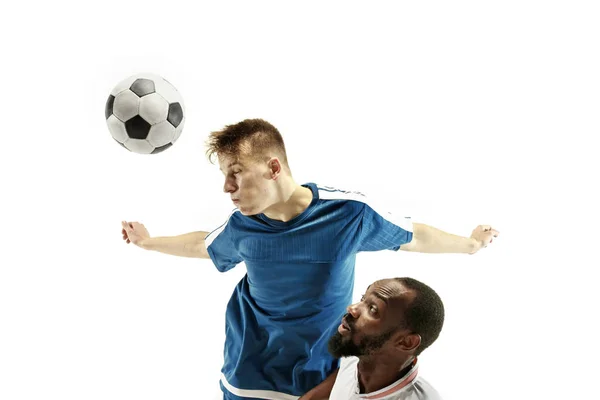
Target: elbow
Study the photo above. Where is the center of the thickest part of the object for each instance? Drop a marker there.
(410, 246)
(419, 237)
(202, 251)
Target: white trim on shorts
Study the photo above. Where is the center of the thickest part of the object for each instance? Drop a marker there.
(256, 394)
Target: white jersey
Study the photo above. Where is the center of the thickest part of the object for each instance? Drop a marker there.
(409, 387)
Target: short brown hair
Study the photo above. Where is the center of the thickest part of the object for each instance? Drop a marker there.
(250, 137)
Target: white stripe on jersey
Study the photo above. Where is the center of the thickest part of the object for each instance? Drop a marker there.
(213, 235)
(330, 193)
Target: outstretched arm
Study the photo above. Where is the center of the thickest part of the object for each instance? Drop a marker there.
(427, 239)
(322, 390)
(187, 245)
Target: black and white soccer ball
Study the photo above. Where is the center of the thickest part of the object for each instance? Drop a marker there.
(145, 113)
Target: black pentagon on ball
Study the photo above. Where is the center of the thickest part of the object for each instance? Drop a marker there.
(161, 148)
(137, 127)
(142, 87)
(109, 106)
(175, 115)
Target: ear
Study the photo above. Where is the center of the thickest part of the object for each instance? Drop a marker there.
(409, 343)
(274, 168)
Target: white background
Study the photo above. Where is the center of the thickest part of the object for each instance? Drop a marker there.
(456, 113)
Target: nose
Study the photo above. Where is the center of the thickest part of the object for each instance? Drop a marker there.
(229, 186)
(353, 310)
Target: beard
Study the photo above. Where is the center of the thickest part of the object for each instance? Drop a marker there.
(340, 346)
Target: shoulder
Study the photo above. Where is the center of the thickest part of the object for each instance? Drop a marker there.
(231, 219)
(341, 198)
(425, 390)
(351, 196)
(375, 207)
(336, 193)
(235, 216)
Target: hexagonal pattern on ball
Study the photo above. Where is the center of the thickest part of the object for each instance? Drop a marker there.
(162, 148)
(126, 105)
(122, 145)
(123, 85)
(161, 134)
(154, 108)
(139, 146)
(117, 129)
(178, 130)
(168, 91)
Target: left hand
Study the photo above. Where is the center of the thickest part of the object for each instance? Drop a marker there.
(483, 235)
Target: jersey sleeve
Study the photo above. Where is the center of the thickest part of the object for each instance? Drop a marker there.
(221, 248)
(383, 231)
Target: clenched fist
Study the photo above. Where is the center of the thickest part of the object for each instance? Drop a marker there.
(483, 235)
(134, 232)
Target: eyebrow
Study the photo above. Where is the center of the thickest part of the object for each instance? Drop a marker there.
(380, 297)
(232, 164)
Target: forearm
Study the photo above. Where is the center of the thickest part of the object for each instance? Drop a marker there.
(427, 239)
(186, 245)
(322, 390)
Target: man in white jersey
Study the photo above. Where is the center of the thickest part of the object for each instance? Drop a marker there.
(299, 244)
(380, 339)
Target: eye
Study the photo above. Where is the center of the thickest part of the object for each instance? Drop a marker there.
(373, 309)
(236, 172)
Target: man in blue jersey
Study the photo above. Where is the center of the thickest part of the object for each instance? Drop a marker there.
(299, 244)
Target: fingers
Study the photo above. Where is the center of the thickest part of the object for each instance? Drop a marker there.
(126, 228)
(485, 234)
(133, 231)
(129, 226)
(488, 228)
(491, 234)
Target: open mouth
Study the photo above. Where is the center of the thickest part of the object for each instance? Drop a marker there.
(344, 327)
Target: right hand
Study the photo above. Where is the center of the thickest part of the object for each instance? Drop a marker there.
(134, 232)
(483, 236)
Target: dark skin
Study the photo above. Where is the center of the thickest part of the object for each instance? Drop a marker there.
(381, 310)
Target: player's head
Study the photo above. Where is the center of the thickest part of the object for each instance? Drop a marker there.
(251, 154)
(396, 318)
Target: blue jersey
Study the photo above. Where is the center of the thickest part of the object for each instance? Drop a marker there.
(299, 282)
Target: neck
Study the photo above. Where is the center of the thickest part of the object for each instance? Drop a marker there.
(376, 373)
(292, 200)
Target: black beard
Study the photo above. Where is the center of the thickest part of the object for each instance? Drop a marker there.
(339, 346)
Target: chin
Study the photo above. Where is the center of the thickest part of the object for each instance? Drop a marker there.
(248, 211)
(340, 346)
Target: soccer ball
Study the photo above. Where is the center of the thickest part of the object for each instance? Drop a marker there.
(145, 113)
